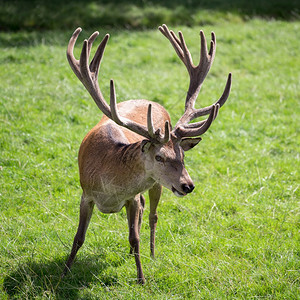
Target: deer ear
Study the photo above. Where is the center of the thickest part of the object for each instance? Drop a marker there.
(146, 144)
(189, 143)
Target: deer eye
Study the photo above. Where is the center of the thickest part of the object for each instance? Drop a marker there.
(158, 158)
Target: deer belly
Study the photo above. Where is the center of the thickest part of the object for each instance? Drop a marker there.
(107, 204)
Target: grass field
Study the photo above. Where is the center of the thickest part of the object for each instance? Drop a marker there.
(235, 237)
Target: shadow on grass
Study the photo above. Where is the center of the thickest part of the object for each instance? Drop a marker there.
(36, 279)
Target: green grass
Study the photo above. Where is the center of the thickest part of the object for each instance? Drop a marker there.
(235, 237)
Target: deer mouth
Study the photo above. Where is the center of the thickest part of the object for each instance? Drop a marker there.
(177, 193)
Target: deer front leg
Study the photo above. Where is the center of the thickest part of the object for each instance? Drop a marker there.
(142, 206)
(86, 210)
(154, 196)
(134, 211)
(142, 202)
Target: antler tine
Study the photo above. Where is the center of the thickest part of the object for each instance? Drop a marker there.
(113, 104)
(199, 128)
(123, 121)
(74, 63)
(226, 91)
(205, 56)
(206, 110)
(167, 135)
(175, 37)
(203, 48)
(91, 41)
(96, 61)
(150, 121)
(173, 40)
(155, 135)
(187, 55)
(84, 63)
(213, 45)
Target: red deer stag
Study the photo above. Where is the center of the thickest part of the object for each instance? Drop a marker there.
(134, 147)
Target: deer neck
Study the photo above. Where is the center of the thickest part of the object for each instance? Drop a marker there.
(132, 162)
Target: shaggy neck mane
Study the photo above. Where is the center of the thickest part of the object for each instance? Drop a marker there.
(129, 153)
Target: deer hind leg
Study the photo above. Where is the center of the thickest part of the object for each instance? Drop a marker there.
(154, 196)
(86, 210)
(134, 209)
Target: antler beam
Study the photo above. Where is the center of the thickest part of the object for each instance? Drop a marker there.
(197, 76)
(88, 75)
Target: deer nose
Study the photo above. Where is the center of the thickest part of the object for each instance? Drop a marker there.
(187, 188)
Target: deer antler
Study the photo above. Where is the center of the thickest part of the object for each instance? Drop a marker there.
(88, 75)
(197, 75)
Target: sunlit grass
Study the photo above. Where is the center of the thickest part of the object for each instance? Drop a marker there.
(236, 236)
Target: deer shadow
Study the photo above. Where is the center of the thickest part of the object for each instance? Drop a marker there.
(36, 279)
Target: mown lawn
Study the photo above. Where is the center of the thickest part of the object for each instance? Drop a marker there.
(236, 236)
